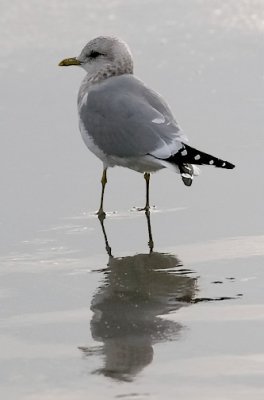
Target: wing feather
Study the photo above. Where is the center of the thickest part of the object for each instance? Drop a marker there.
(126, 119)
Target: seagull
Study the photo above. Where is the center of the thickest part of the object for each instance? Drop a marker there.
(125, 123)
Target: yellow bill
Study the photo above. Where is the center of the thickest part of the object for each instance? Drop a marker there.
(69, 61)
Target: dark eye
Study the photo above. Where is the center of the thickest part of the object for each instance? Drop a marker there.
(94, 54)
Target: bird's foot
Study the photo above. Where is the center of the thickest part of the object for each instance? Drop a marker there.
(101, 214)
(146, 209)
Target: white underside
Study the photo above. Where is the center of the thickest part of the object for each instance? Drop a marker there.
(141, 164)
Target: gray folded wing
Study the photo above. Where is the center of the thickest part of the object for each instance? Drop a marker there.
(127, 119)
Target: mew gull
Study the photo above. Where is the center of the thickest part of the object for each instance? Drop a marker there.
(125, 123)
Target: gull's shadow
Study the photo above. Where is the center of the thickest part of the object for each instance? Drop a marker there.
(128, 307)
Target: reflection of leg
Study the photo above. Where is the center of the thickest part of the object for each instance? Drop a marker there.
(101, 213)
(107, 247)
(150, 242)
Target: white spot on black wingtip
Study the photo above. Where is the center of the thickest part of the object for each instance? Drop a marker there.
(224, 164)
(211, 162)
(186, 175)
(197, 157)
(184, 152)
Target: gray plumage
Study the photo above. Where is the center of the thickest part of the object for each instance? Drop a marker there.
(125, 123)
(118, 114)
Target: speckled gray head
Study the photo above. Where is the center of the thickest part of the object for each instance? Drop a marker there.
(103, 57)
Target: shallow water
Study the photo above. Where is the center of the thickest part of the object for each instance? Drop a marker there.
(87, 310)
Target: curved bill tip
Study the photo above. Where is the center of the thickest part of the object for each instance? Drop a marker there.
(69, 61)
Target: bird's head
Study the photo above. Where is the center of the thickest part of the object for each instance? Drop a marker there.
(103, 57)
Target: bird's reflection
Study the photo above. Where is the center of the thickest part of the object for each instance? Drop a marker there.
(128, 307)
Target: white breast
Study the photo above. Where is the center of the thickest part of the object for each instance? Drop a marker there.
(88, 140)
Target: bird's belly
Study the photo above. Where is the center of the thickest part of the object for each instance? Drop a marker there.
(140, 164)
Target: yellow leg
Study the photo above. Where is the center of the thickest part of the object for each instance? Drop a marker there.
(100, 212)
(147, 179)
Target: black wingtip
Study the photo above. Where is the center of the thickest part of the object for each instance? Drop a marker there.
(228, 165)
(186, 171)
(191, 155)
